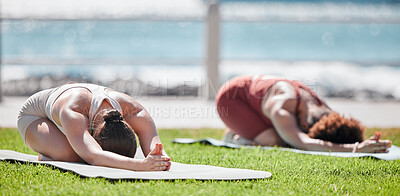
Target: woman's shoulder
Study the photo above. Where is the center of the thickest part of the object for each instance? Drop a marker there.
(282, 90)
(128, 104)
(282, 95)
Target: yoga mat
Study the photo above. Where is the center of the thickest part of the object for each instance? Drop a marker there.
(177, 170)
(393, 154)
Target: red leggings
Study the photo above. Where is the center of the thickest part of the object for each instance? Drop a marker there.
(236, 110)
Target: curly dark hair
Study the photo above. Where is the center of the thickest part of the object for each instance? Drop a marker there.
(337, 129)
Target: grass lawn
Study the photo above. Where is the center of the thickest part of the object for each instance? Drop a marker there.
(292, 173)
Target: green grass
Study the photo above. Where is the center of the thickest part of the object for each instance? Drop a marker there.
(292, 173)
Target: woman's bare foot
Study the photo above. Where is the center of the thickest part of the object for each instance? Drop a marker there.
(230, 137)
(44, 158)
(237, 139)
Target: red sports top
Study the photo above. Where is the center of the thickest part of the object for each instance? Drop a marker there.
(253, 91)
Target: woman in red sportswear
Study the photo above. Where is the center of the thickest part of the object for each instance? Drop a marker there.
(270, 111)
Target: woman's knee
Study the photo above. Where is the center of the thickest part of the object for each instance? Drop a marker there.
(45, 138)
(66, 155)
(61, 152)
(269, 137)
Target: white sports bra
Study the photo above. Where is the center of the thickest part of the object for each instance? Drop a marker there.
(99, 93)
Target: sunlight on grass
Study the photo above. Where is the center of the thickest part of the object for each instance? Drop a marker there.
(292, 173)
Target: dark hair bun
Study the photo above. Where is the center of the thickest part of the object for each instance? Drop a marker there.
(112, 116)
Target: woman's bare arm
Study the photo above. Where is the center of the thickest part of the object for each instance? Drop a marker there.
(286, 125)
(88, 149)
(280, 108)
(144, 127)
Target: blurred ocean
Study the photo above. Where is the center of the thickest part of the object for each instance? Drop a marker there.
(342, 57)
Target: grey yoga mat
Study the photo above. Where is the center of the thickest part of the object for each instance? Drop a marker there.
(393, 154)
(177, 171)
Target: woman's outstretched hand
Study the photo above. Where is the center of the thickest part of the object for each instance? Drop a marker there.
(156, 161)
(374, 144)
